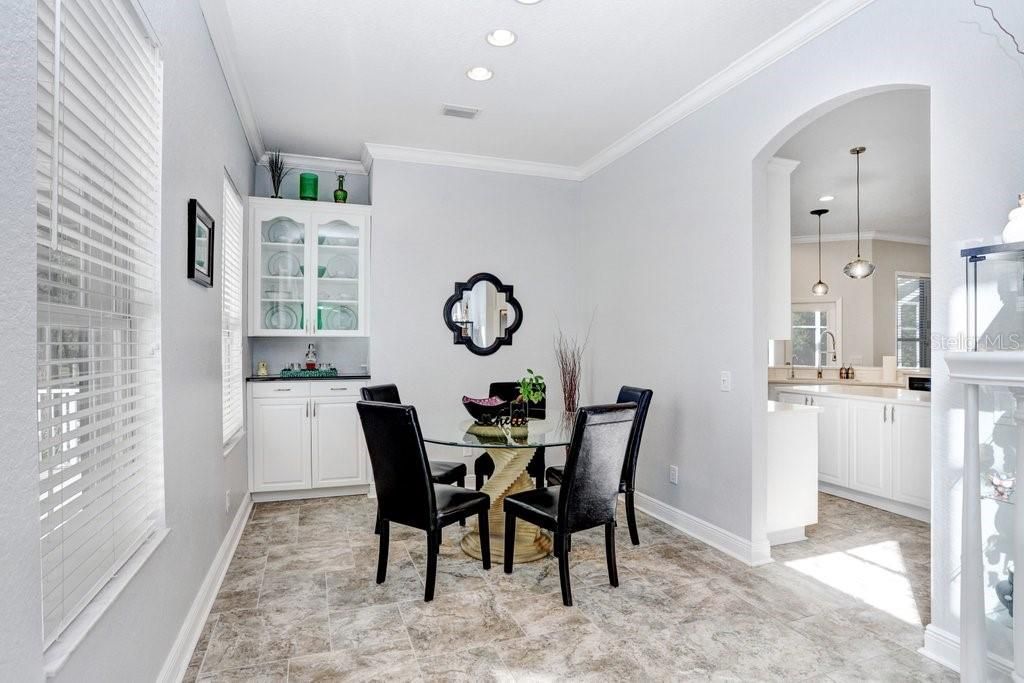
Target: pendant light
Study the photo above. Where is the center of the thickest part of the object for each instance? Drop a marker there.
(819, 288)
(858, 268)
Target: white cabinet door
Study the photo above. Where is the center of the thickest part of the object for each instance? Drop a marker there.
(278, 270)
(280, 444)
(911, 461)
(337, 452)
(338, 245)
(792, 398)
(870, 448)
(833, 445)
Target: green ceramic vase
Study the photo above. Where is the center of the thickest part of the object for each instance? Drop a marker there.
(308, 186)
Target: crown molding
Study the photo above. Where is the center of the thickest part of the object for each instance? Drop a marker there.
(375, 151)
(865, 235)
(809, 26)
(306, 162)
(218, 23)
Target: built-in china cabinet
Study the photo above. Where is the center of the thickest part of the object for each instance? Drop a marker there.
(308, 268)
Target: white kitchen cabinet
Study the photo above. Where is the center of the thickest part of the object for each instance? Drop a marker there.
(870, 448)
(305, 435)
(337, 443)
(281, 440)
(911, 462)
(307, 268)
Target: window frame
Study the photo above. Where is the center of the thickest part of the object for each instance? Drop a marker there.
(836, 329)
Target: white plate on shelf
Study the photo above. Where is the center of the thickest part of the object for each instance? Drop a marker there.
(284, 263)
(339, 318)
(283, 316)
(343, 265)
(285, 231)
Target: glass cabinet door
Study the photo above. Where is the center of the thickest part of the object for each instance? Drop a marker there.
(280, 273)
(338, 281)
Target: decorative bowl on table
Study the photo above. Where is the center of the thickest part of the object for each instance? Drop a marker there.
(485, 410)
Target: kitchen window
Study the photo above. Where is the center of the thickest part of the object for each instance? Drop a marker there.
(232, 373)
(815, 334)
(913, 320)
(98, 281)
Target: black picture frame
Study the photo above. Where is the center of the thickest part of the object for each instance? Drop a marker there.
(200, 244)
(458, 329)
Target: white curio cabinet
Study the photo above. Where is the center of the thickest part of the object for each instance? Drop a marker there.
(308, 268)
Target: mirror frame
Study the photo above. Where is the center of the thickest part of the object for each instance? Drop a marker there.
(459, 334)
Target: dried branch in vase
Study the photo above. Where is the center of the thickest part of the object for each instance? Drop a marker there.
(569, 355)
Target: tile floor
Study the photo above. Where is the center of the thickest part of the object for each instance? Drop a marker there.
(299, 603)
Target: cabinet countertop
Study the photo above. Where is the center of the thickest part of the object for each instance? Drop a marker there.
(279, 378)
(887, 394)
(783, 407)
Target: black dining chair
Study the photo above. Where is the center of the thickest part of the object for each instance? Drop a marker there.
(642, 398)
(483, 466)
(588, 493)
(406, 492)
(441, 471)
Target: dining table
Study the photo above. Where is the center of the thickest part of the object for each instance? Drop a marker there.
(511, 448)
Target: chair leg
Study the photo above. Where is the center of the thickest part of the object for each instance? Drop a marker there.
(485, 538)
(461, 483)
(609, 552)
(510, 540)
(432, 547)
(562, 546)
(383, 528)
(634, 536)
(376, 524)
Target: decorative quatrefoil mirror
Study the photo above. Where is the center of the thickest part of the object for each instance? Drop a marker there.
(483, 314)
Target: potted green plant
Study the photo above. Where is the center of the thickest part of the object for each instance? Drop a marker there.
(278, 172)
(531, 390)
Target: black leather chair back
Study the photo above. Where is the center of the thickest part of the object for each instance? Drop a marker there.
(382, 393)
(593, 466)
(642, 399)
(509, 391)
(401, 473)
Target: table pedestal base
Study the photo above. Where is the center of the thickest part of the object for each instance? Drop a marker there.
(509, 477)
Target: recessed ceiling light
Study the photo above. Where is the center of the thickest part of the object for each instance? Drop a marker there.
(528, 2)
(480, 73)
(825, 198)
(501, 37)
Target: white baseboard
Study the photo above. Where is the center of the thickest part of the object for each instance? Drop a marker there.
(887, 504)
(181, 652)
(944, 647)
(303, 494)
(753, 554)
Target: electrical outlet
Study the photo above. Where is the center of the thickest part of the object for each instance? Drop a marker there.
(227, 502)
(725, 381)
(673, 474)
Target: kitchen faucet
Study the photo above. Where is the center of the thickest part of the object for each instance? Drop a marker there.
(834, 356)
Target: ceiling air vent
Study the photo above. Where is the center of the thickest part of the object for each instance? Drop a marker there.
(459, 112)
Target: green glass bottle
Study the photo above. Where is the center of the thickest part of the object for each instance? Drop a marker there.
(341, 194)
(308, 186)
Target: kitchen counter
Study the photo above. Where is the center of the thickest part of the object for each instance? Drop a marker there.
(865, 393)
(783, 407)
(279, 378)
(838, 382)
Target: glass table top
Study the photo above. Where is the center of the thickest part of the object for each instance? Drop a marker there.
(464, 432)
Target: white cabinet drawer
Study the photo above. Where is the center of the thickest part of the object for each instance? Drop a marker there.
(340, 389)
(280, 389)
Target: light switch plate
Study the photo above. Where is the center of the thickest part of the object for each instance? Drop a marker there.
(673, 474)
(725, 382)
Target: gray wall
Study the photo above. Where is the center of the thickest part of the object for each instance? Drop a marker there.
(21, 643)
(676, 267)
(433, 226)
(201, 138)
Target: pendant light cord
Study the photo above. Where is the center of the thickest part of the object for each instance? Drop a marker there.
(858, 204)
(819, 247)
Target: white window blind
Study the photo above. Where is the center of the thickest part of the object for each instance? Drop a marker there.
(98, 375)
(232, 377)
(913, 321)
